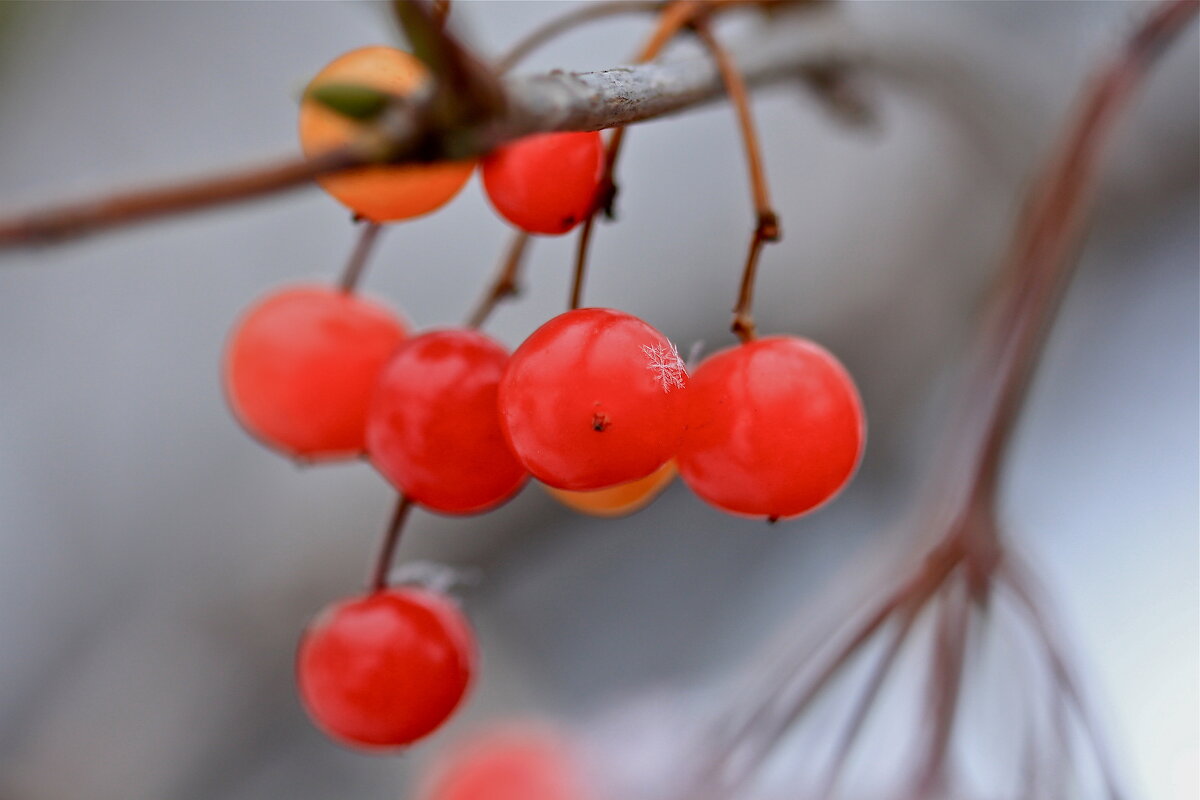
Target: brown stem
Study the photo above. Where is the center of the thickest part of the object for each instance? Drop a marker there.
(739, 97)
(743, 325)
(581, 251)
(506, 283)
(357, 262)
(387, 547)
(51, 224)
(675, 15)
(766, 228)
(606, 193)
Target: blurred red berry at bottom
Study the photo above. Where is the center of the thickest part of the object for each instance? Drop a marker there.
(512, 762)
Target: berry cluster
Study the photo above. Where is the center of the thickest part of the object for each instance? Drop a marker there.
(541, 184)
(596, 405)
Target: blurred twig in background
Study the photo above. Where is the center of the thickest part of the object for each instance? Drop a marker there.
(969, 568)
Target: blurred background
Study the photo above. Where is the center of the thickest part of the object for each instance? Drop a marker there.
(156, 565)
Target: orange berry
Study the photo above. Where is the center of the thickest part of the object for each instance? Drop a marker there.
(380, 193)
(619, 500)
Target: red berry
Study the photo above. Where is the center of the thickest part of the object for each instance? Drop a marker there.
(385, 669)
(512, 762)
(594, 398)
(433, 429)
(300, 367)
(776, 428)
(545, 183)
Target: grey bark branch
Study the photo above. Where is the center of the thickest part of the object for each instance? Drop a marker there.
(563, 101)
(792, 45)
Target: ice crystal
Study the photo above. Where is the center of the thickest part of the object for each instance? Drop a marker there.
(666, 364)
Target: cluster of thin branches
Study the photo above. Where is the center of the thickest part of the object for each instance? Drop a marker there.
(970, 570)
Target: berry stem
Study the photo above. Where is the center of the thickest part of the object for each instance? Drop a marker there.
(674, 16)
(359, 256)
(387, 547)
(767, 227)
(506, 283)
(743, 320)
(585, 238)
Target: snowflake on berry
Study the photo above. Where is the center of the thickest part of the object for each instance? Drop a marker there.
(666, 364)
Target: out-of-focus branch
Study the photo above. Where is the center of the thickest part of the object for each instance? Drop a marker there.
(968, 542)
(558, 101)
(64, 220)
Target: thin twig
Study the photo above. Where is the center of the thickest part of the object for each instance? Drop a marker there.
(506, 283)
(56, 223)
(569, 21)
(739, 98)
(1041, 259)
(675, 15)
(866, 700)
(945, 685)
(581, 251)
(359, 256)
(766, 227)
(387, 546)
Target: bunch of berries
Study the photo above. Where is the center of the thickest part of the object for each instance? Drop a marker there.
(596, 404)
